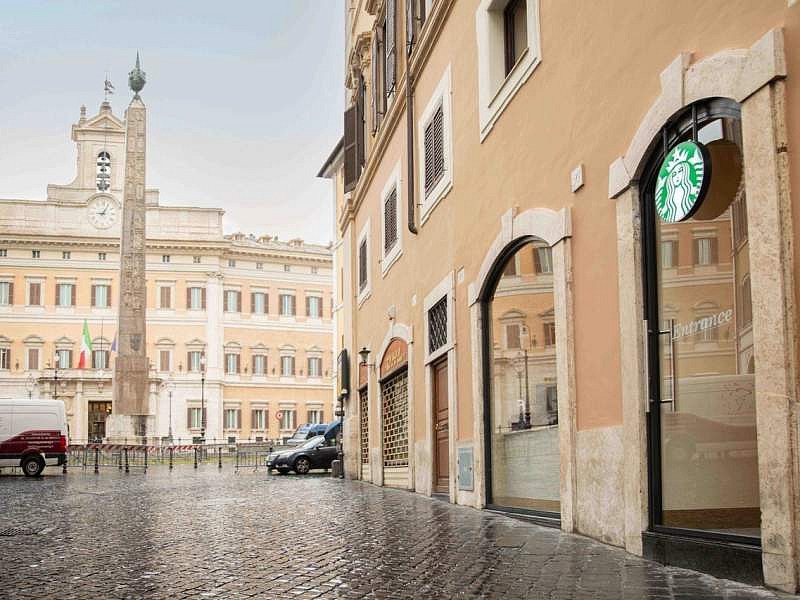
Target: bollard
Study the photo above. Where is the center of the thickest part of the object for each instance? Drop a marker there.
(219, 455)
(96, 457)
(127, 469)
(237, 460)
(145, 459)
(170, 458)
(195, 457)
(119, 459)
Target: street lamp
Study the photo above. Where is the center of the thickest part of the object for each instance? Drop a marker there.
(30, 384)
(202, 398)
(170, 388)
(55, 376)
(522, 361)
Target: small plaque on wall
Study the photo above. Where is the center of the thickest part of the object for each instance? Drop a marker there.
(465, 467)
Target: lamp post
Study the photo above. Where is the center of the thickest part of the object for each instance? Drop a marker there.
(202, 398)
(29, 385)
(170, 388)
(55, 376)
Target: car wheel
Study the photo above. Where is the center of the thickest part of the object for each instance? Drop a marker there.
(283, 471)
(302, 465)
(32, 465)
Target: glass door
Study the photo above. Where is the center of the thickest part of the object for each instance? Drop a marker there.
(703, 452)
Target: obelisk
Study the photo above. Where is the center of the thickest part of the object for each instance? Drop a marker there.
(130, 401)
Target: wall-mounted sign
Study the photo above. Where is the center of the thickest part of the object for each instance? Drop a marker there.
(279, 415)
(395, 357)
(682, 181)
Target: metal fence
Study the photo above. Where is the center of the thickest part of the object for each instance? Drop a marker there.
(99, 457)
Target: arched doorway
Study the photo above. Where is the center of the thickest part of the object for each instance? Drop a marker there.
(703, 456)
(394, 414)
(520, 381)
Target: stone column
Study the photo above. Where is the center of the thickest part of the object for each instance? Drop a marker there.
(131, 403)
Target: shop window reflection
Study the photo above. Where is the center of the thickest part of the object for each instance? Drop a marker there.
(524, 397)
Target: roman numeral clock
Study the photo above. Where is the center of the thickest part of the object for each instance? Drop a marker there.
(103, 212)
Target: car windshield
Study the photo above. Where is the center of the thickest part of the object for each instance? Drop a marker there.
(301, 433)
(312, 442)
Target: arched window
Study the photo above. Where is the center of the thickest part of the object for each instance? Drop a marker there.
(103, 171)
(522, 406)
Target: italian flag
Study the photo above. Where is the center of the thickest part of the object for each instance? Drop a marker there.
(86, 346)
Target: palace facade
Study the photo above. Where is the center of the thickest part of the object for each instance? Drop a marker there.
(237, 325)
(570, 272)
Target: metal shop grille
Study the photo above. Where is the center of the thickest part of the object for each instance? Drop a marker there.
(363, 406)
(395, 420)
(390, 221)
(437, 325)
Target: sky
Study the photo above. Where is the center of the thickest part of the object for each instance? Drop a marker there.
(244, 100)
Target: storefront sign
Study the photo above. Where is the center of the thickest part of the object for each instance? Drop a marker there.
(701, 324)
(396, 356)
(682, 181)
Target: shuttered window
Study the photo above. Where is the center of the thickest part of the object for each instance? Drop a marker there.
(705, 251)
(258, 418)
(259, 364)
(164, 360)
(314, 307)
(315, 367)
(390, 47)
(233, 418)
(196, 298)
(362, 265)
(377, 63)
(434, 150)
(101, 296)
(65, 294)
(513, 336)
(549, 334)
(390, 221)
(165, 297)
(258, 303)
(232, 363)
(288, 305)
(5, 359)
(33, 359)
(287, 366)
(6, 293)
(354, 138)
(195, 418)
(233, 301)
(35, 294)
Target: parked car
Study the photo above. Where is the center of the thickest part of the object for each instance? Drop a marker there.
(305, 432)
(316, 453)
(33, 434)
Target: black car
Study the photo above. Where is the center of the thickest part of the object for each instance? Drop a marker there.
(317, 453)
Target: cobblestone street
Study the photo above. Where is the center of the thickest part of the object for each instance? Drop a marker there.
(218, 534)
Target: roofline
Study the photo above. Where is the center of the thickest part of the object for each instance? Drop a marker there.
(324, 171)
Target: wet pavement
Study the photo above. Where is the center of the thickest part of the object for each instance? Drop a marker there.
(217, 534)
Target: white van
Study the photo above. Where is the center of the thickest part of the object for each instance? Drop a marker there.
(33, 433)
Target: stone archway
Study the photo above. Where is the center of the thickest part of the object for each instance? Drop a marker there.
(753, 77)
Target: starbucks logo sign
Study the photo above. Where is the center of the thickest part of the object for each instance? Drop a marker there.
(682, 181)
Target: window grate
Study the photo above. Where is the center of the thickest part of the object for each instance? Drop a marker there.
(395, 420)
(390, 221)
(434, 150)
(362, 265)
(363, 401)
(437, 325)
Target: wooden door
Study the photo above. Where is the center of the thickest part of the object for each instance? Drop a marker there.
(441, 428)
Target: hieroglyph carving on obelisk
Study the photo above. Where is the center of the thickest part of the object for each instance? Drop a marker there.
(131, 367)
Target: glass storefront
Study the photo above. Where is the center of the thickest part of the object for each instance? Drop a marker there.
(523, 404)
(700, 322)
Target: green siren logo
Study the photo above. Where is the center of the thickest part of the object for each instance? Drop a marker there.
(682, 181)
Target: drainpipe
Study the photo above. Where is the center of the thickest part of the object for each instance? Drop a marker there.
(412, 227)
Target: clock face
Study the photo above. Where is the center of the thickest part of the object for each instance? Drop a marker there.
(103, 212)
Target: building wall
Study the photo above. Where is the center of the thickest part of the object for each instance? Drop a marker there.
(580, 107)
(186, 248)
